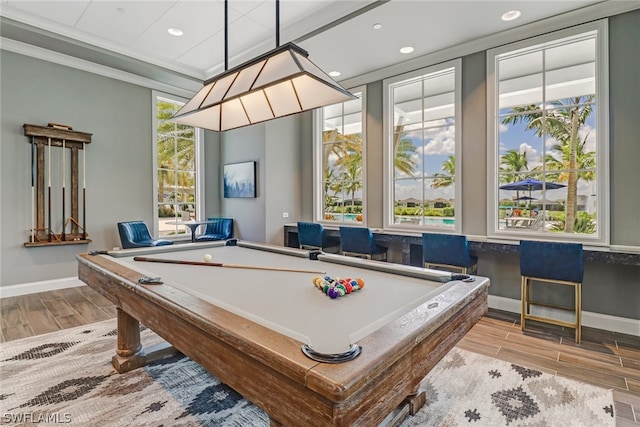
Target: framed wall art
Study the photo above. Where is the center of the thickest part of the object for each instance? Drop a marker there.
(240, 180)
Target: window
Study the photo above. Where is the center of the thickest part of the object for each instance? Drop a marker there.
(546, 125)
(340, 150)
(177, 193)
(422, 140)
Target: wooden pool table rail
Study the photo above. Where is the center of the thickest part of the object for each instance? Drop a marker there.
(268, 368)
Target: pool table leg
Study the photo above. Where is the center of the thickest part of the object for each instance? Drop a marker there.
(416, 402)
(409, 407)
(130, 355)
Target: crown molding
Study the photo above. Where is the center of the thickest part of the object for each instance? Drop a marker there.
(187, 89)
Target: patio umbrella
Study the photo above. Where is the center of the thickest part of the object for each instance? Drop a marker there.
(531, 185)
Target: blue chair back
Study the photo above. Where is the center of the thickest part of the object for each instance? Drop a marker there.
(135, 234)
(310, 234)
(552, 260)
(449, 249)
(221, 229)
(357, 239)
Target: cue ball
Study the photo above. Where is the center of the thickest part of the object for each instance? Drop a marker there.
(208, 257)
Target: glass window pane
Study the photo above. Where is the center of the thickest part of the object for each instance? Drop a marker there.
(424, 145)
(440, 145)
(406, 149)
(407, 103)
(520, 149)
(440, 201)
(176, 173)
(342, 164)
(520, 80)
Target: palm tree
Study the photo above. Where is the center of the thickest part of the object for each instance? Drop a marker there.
(562, 122)
(510, 162)
(176, 152)
(403, 152)
(448, 177)
(352, 179)
(348, 151)
(585, 160)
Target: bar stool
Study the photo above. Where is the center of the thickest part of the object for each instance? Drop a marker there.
(358, 242)
(552, 262)
(311, 235)
(448, 251)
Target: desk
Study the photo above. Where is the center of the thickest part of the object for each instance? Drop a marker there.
(410, 243)
(193, 225)
(247, 326)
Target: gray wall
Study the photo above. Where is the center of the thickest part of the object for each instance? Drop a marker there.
(624, 122)
(276, 146)
(119, 160)
(118, 114)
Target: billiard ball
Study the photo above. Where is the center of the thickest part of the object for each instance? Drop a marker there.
(207, 257)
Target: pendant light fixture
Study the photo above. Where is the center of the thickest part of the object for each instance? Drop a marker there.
(276, 84)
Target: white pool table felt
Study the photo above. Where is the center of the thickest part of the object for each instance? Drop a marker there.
(288, 302)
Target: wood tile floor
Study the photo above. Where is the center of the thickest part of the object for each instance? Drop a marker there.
(605, 359)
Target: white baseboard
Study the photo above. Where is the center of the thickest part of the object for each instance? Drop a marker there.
(44, 286)
(593, 320)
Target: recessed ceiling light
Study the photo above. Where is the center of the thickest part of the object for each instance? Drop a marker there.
(377, 26)
(334, 73)
(511, 15)
(175, 31)
(406, 49)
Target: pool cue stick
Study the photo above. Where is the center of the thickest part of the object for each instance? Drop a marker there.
(63, 188)
(84, 191)
(49, 198)
(33, 191)
(219, 264)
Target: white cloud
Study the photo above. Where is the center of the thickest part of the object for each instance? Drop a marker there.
(533, 157)
(442, 141)
(590, 133)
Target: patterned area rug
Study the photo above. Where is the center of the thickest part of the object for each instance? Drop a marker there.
(66, 378)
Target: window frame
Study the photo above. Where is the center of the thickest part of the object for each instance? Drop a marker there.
(388, 158)
(318, 175)
(199, 165)
(602, 137)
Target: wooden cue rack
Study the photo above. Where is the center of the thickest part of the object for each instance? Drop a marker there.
(43, 234)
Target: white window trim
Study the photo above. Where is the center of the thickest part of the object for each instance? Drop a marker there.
(388, 167)
(318, 185)
(199, 146)
(602, 137)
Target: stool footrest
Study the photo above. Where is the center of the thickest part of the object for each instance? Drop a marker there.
(550, 320)
(546, 304)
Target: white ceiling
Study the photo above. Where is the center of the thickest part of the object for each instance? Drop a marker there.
(337, 34)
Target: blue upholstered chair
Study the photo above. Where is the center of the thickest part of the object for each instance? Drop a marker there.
(552, 262)
(358, 242)
(450, 251)
(312, 235)
(220, 229)
(135, 234)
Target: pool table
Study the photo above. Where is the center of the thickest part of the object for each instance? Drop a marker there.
(249, 321)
